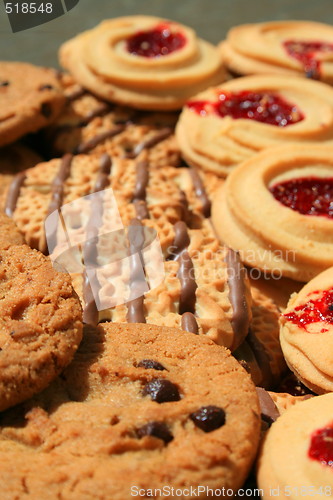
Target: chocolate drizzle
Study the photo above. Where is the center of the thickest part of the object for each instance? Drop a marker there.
(57, 194)
(268, 409)
(135, 307)
(14, 193)
(149, 143)
(140, 190)
(57, 188)
(237, 295)
(200, 191)
(186, 270)
(87, 146)
(101, 110)
(76, 94)
(90, 312)
(189, 323)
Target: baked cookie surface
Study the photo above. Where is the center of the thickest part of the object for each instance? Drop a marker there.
(226, 125)
(143, 62)
(30, 98)
(131, 402)
(287, 48)
(41, 319)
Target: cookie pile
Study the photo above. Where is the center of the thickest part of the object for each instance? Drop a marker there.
(166, 264)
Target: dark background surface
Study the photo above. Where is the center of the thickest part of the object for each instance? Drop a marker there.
(210, 18)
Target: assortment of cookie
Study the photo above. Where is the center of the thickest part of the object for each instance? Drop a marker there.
(166, 264)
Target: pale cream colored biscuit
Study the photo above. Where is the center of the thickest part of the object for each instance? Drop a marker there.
(140, 408)
(290, 48)
(102, 61)
(226, 125)
(296, 456)
(270, 235)
(30, 98)
(307, 333)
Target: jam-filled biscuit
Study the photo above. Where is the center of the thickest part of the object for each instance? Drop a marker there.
(296, 457)
(139, 408)
(143, 62)
(31, 97)
(226, 125)
(307, 333)
(287, 48)
(41, 319)
(277, 211)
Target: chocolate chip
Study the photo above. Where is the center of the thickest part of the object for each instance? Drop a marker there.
(4, 83)
(150, 364)
(161, 390)
(47, 86)
(208, 418)
(46, 110)
(156, 429)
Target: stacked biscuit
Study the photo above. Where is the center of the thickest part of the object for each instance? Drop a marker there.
(170, 244)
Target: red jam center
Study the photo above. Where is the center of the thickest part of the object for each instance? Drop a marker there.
(321, 446)
(306, 53)
(157, 42)
(319, 309)
(263, 107)
(309, 196)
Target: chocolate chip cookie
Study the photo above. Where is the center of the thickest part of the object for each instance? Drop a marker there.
(30, 98)
(140, 407)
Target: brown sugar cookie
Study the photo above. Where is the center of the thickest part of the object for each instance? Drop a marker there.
(289, 189)
(226, 125)
(40, 326)
(143, 62)
(307, 333)
(9, 234)
(30, 98)
(288, 48)
(132, 413)
(296, 456)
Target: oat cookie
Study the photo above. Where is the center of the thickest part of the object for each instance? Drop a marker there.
(30, 98)
(226, 125)
(289, 189)
(131, 410)
(290, 48)
(143, 62)
(41, 322)
(307, 333)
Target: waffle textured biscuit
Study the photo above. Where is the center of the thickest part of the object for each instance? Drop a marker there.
(132, 411)
(41, 319)
(307, 333)
(287, 48)
(89, 124)
(289, 189)
(297, 454)
(226, 125)
(30, 98)
(143, 62)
